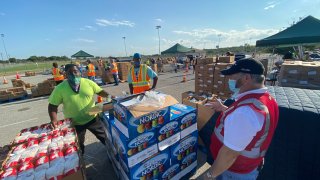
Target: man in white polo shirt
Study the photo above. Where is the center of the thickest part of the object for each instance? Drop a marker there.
(244, 130)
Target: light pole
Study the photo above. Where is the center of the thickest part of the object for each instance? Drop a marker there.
(219, 37)
(4, 46)
(125, 46)
(158, 27)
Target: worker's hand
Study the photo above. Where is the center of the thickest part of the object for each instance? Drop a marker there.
(216, 106)
(54, 124)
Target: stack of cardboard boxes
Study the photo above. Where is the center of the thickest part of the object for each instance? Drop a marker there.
(124, 68)
(43, 88)
(208, 79)
(300, 74)
(30, 73)
(158, 143)
(220, 84)
(12, 93)
(21, 83)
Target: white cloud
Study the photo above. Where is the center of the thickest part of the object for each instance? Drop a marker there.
(199, 37)
(271, 5)
(84, 40)
(105, 22)
(159, 20)
(87, 27)
(2, 13)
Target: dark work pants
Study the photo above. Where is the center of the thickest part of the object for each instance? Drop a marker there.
(116, 78)
(96, 127)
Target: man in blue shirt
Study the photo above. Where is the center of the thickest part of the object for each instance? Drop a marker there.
(140, 75)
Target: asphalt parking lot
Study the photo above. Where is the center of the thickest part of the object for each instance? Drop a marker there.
(17, 115)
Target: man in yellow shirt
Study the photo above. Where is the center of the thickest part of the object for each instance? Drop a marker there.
(77, 96)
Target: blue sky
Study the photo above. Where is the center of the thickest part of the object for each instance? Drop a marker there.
(63, 27)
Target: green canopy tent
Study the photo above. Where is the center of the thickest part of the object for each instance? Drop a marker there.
(176, 49)
(306, 31)
(81, 54)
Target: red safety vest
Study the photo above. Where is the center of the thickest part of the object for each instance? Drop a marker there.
(56, 75)
(143, 83)
(250, 158)
(91, 70)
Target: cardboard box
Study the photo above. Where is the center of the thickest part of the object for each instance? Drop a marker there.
(151, 168)
(187, 94)
(226, 59)
(204, 115)
(133, 119)
(185, 115)
(199, 99)
(133, 151)
(184, 152)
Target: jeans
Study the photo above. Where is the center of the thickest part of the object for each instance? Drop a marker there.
(228, 175)
(116, 78)
(92, 78)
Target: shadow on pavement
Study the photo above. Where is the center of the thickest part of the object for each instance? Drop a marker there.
(97, 163)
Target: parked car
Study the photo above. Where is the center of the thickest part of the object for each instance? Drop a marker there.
(314, 56)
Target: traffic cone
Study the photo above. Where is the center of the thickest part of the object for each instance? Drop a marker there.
(184, 79)
(18, 75)
(99, 99)
(5, 80)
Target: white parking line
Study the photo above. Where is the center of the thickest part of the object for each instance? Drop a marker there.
(18, 123)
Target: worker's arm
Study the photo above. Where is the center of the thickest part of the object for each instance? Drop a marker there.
(131, 88)
(155, 81)
(226, 157)
(103, 93)
(53, 111)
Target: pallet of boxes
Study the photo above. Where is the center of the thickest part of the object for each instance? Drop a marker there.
(30, 73)
(21, 83)
(152, 142)
(41, 152)
(10, 94)
(210, 85)
(123, 69)
(44, 88)
(300, 74)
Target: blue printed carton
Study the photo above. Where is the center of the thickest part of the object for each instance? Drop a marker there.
(186, 116)
(107, 120)
(182, 119)
(185, 151)
(133, 118)
(171, 172)
(134, 151)
(154, 167)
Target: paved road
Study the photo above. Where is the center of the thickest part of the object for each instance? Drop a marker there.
(22, 114)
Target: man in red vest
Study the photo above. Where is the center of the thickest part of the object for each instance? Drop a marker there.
(244, 130)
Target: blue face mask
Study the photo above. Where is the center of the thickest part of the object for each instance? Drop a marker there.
(232, 86)
(74, 80)
(137, 63)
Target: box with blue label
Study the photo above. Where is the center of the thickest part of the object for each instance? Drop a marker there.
(187, 118)
(138, 114)
(107, 121)
(185, 151)
(134, 151)
(154, 167)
